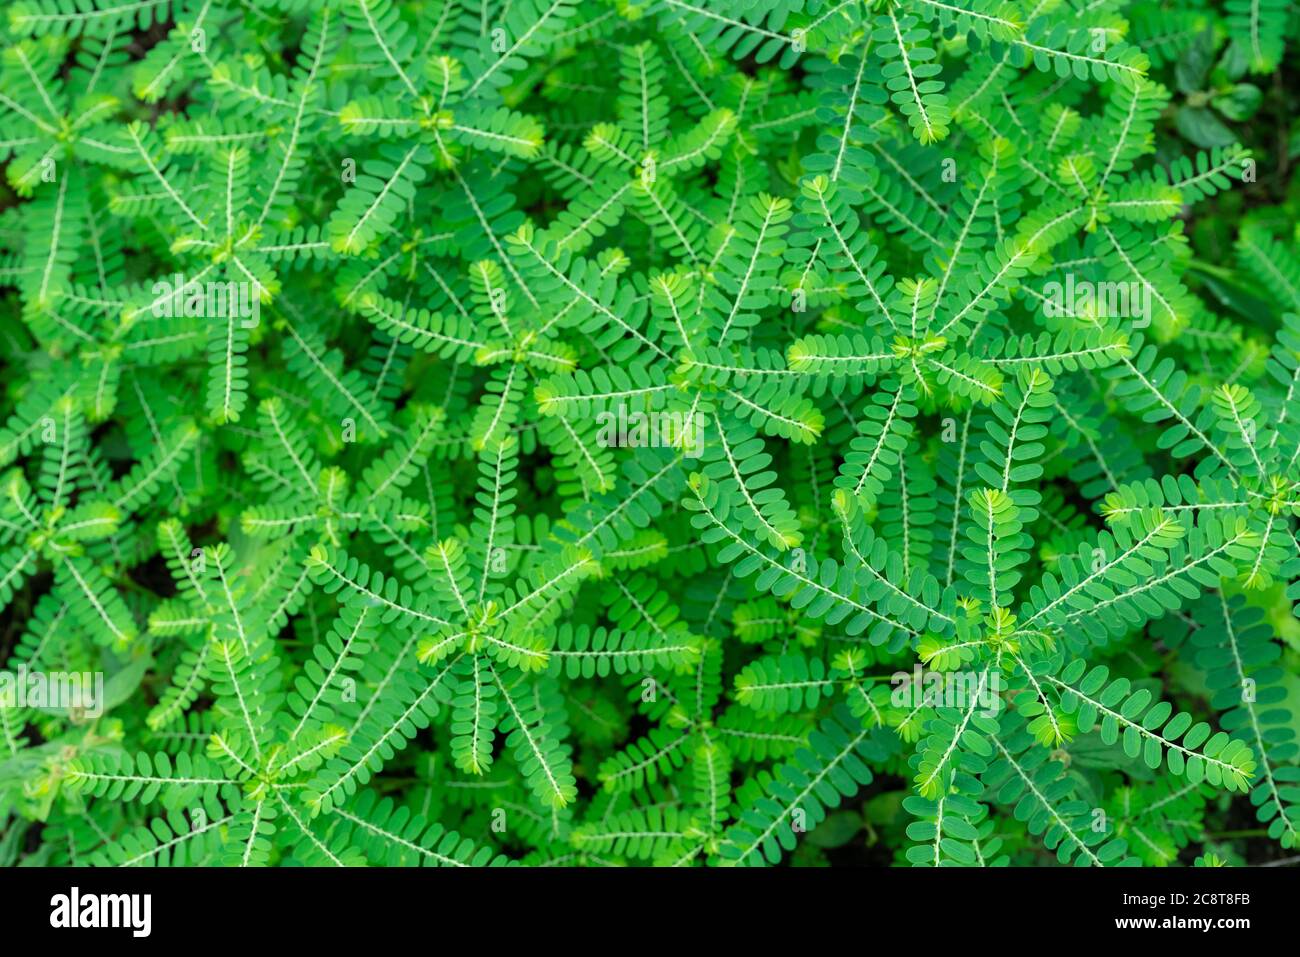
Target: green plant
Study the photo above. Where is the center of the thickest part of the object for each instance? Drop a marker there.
(590, 431)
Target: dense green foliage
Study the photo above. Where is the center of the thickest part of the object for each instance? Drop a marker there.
(572, 417)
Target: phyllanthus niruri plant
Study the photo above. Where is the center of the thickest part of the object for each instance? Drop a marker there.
(585, 432)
